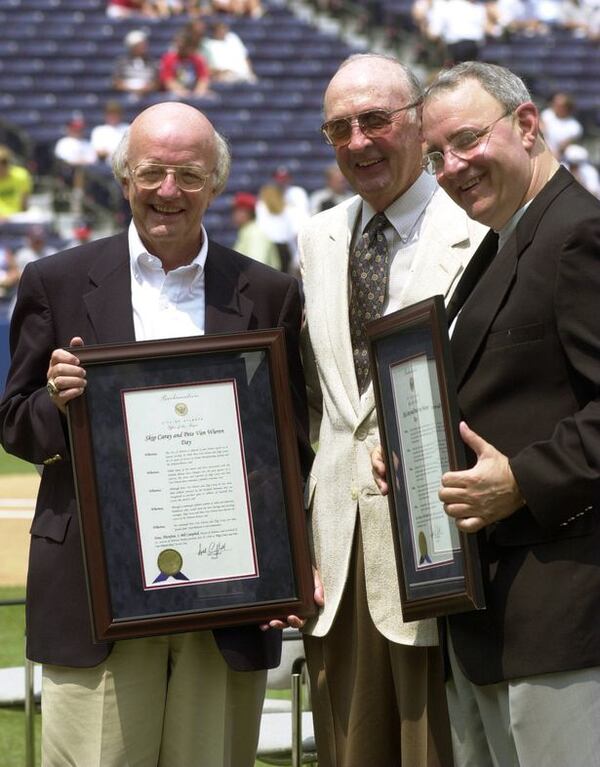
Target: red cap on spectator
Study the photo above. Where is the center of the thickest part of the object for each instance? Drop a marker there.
(281, 174)
(244, 200)
(82, 232)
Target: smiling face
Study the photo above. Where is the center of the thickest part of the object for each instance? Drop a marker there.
(500, 176)
(168, 219)
(381, 168)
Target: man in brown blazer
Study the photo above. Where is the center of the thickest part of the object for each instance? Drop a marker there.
(190, 699)
(525, 672)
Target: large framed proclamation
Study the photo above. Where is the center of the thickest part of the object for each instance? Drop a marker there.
(438, 566)
(188, 485)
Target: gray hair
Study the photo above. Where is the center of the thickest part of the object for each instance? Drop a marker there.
(499, 82)
(220, 173)
(415, 89)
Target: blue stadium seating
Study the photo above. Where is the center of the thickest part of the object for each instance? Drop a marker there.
(60, 58)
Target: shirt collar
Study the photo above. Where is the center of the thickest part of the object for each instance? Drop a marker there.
(141, 259)
(404, 213)
(511, 224)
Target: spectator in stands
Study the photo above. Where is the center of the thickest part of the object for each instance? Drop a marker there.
(559, 126)
(74, 154)
(576, 159)
(544, 14)
(276, 221)
(9, 275)
(196, 31)
(183, 71)
(127, 9)
(429, 51)
(105, 138)
(82, 233)
(507, 17)
(296, 198)
(15, 185)
(135, 72)
(227, 56)
(461, 26)
(73, 148)
(251, 240)
(251, 8)
(36, 247)
(166, 8)
(336, 190)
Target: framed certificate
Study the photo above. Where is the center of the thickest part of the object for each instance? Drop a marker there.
(438, 566)
(188, 485)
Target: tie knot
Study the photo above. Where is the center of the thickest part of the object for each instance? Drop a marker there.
(377, 224)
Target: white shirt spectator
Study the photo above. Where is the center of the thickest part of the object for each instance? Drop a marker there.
(559, 131)
(228, 58)
(576, 159)
(456, 20)
(75, 151)
(105, 138)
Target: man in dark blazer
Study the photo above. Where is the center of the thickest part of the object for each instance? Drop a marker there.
(187, 699)
(525, 672)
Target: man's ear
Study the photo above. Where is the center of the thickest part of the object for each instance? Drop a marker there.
(125, 187)
(528, 119)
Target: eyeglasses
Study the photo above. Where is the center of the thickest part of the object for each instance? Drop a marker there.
(464, 146)
(151, 175)
(372, 123)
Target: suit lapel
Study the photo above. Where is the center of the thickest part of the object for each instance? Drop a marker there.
(228, 310)
(475, 269)
(439, 259)
(482, 305)
(108, 301)
(335, 278)
(485, 299)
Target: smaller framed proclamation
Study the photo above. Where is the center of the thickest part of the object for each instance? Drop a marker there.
(438, 565)
(188, 485)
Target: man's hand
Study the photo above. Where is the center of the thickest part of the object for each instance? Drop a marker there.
(66, 378)
(293, 620)
(484, 494)
(379, 470)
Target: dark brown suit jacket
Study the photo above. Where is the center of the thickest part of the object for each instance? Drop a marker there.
(526, 349)
(86, 292)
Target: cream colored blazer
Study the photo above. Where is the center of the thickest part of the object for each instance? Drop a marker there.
(341, 485)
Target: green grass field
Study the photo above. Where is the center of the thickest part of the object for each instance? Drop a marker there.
(11, 465)
(12, 720)
(12, 632)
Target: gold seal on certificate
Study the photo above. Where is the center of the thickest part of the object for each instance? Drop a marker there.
(181, 408)
(169, 562)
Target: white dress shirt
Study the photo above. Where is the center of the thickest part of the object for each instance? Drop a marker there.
(405, 216)
(166, 305)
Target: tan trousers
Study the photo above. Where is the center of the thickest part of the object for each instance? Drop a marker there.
(167, 701)
(375, 703)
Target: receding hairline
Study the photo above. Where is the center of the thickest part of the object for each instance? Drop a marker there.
(405, 77)
(170, 110)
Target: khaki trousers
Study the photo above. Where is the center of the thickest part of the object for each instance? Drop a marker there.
(168, 701)
(375, 703)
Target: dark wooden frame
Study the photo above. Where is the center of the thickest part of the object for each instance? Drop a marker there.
(97, 472)
(422, 329)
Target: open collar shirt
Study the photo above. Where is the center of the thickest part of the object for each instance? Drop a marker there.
(170, 305)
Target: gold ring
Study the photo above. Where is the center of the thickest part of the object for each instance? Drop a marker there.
(51, 387)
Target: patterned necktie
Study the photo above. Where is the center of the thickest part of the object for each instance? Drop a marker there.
(368, 278)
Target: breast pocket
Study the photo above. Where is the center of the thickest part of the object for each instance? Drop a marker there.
(513, 336)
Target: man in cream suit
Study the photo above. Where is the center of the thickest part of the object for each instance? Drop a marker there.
(376, 682)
